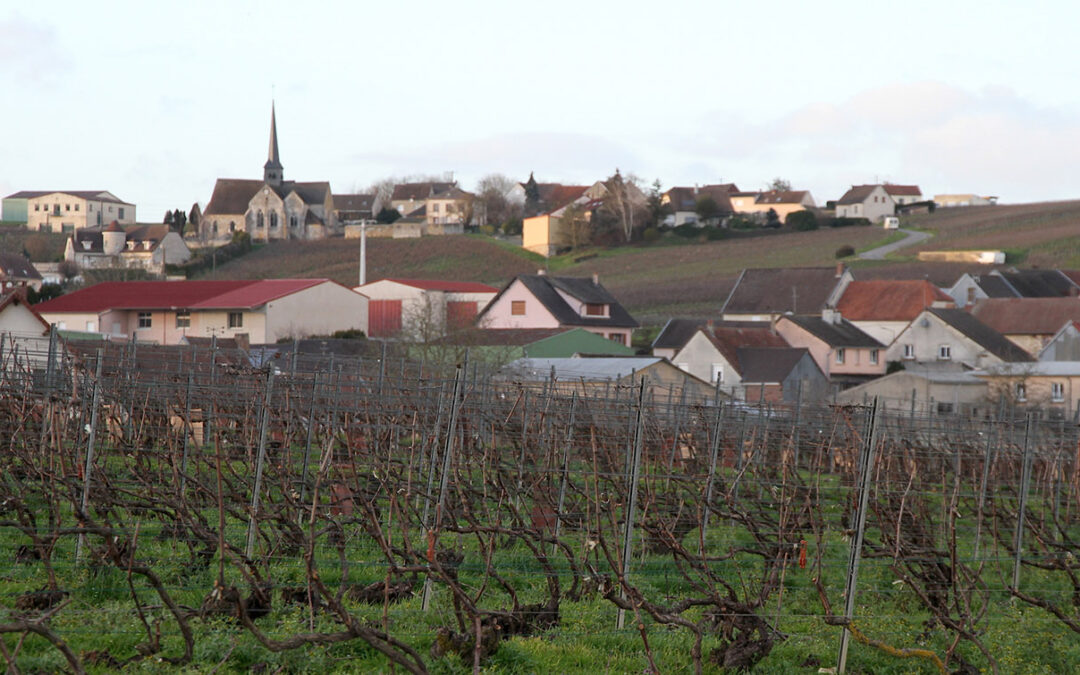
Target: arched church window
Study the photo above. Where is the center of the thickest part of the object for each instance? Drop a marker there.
(259, 219)
(273, 219)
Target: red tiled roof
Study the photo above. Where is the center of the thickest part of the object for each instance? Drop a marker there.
(180, 294)
(1027, 316)
(729, 340)
(449, 286)
(888, 300)
(903, 190)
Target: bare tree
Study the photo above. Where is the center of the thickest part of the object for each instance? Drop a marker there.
(626, 203)
(494, 192)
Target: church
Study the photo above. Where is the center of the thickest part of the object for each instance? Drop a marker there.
(272, 208)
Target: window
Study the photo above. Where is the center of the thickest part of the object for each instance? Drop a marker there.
(67, 207)
(56, 209)
(435, 207)
(121, 212)
(37, 207)
(944, 408)
(517, 307)
(944, 352)
(145, 320)
(259, 219)
(91, 326)
(1021, 391)
(595, 309)
(292, 221)
(76, 207)
(183, 319)
(1057, 391)
(718, 373)
(840, 355)
(873, 356)
(617, 337)
(909, 351)
(273, 219)
(236, 320)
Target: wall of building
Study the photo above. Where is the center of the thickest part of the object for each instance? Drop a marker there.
(699, 355)
(536, 315)
(319, 310)
(15, 210)
(927, 334)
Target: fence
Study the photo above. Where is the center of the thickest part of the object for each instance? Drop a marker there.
(322, 502)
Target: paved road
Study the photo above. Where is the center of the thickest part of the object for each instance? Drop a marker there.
(880, 252)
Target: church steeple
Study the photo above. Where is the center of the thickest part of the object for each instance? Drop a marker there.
(273, 172)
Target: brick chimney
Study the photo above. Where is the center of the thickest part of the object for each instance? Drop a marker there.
(839, 270)
(596, 279)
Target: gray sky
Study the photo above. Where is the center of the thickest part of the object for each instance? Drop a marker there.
(154, 101)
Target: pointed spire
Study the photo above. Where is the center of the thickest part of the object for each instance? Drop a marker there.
(273, 172)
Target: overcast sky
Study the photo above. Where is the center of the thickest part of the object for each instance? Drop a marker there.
(155, 101)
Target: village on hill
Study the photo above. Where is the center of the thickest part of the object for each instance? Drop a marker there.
(779, 334)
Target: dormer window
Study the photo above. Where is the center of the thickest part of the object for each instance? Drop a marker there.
(595, 309)
(85, 245)
(146, 244)
(130, 245)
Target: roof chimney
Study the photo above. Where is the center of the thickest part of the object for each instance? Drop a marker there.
(839, 270)
(595, 279)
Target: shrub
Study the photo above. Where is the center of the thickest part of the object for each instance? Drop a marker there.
(845, 251)
(650, 235)
(802, 221)
(512, 226)
(848, 222)
(488, 229)
(687, 230)
(715, 233)
(742, 223)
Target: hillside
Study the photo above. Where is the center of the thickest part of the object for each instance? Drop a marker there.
(39, 246)
(680, 277)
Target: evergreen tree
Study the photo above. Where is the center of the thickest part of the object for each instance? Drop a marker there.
(532, 197)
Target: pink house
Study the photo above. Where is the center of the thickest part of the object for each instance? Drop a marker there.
(541, 301)
(846, 355)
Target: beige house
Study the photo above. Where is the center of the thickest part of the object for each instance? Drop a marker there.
(782, 202)
(433, 203)
(165, 312)
(148, 247)
(21, 326)
(929, 391)
(845, 354)
(70, 211)
(952, 338)
(547, 233)
(1050, 386)
(872, 202)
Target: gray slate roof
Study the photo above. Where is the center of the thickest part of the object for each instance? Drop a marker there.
(232, 195)
(588, 369)
(768, 364)
(543, 288)
(796, 290)
(842, 334)
(15, 266)
(983, 335)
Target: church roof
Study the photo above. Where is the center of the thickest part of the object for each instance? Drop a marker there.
(232, 195)
(273, 159)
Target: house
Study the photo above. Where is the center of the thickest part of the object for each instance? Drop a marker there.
(1050, 386)
(148, 247)
(682, 202)
(885, 308)
(272, 208)
(1029, 323)
(434, 202)
(674, 335)
(780, 375)
(23, 333)
(355, 208)
(166, 311)
(872, 202)
(710, 351)
(903, 195)
(423, 309)
(1014, 283)
(18, 272)
(1065, 345)
(542, 301)
(763, 294)
(67, 210)
(924, 390)
(781, 202)
(845, 354)
(949, 201)
(952, 339)
(544, 232)
(606, 375)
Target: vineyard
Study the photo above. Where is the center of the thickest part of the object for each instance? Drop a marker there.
(181, 509)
